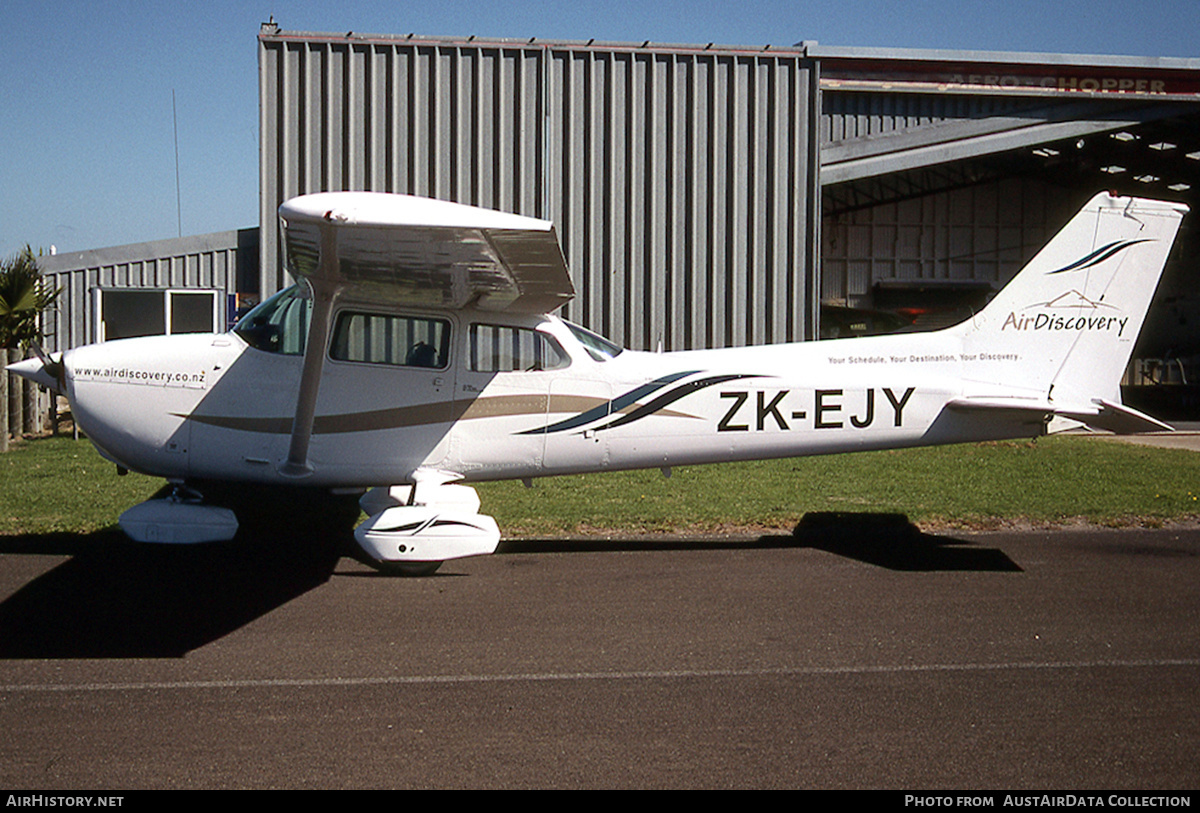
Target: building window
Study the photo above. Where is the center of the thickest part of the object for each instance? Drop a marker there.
(126, 313)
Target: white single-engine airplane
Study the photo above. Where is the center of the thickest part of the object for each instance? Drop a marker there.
(418, 350)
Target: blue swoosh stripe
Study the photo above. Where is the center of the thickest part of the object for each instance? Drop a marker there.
(615, 405)
(1099, 255)
(670, 397)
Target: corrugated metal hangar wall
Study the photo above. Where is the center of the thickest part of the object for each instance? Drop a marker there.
(683, 182)
(711, 196)
(214, 263)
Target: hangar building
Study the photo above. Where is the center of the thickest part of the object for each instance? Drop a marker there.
(705, 195)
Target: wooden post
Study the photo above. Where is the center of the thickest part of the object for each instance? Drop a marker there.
(32, 416)
(14, 396)
(4, 376)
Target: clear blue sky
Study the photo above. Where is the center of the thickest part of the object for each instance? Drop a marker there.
(87, 155)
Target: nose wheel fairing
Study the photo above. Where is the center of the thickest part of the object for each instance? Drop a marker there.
(179, 519)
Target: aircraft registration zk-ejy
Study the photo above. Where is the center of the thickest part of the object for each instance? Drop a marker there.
(419, 349)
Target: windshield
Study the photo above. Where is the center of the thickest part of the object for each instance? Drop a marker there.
(598, 347)
(279, 325)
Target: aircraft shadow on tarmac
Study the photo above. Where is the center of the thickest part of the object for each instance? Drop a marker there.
(884, 540)
(117, 599)
(891, 541)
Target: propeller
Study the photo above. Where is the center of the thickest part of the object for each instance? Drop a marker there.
(44, 370)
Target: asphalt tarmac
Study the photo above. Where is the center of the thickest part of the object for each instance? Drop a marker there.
(857, 653)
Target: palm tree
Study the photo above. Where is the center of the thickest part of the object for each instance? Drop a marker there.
(23, 297)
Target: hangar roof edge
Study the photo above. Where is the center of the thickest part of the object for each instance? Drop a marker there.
(818, 51)
(354, 37)
(812, 49)
(139, 252)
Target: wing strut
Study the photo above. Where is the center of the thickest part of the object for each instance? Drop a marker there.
(324, 291)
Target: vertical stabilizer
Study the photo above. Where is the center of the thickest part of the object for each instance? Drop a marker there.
(1072, 315)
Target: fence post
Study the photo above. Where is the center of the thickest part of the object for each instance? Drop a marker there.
(32, 416)
(4, 376)
(14, 396)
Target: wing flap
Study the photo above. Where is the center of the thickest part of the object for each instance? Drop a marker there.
(425, 252)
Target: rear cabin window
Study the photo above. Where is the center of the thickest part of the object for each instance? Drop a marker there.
(503, 349)
(403, 341)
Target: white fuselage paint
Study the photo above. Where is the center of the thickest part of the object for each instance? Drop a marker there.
(1055, 341)
(211, 407)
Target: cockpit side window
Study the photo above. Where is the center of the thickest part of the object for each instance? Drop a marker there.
(503, 349)
(403, 341)
(598, 347)
(280, 324)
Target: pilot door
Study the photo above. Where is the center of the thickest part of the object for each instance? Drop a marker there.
(386, 395)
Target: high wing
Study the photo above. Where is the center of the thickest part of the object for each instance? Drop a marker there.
(416, 251)
(424, 252)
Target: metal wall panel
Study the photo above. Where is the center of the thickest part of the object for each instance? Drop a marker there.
(973, 227)
(984, 233)
(682, 181)
(210, 261)
(462, 123)
(853, 115)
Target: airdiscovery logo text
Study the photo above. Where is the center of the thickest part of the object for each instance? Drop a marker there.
(1068, 311)
(1057, 321)
(152, 378)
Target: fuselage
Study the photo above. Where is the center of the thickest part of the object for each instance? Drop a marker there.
(433, 358)
(503, 396)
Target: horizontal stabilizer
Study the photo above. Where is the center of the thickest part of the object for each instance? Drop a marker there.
(1118, 419)
(1035, 411)
(1100, 414)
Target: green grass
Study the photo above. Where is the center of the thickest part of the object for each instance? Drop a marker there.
(1053, 480)
(57, 485)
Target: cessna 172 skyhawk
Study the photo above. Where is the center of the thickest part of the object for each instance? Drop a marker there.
(418, 350)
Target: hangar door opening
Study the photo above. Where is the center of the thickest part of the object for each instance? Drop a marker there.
(126, 313)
